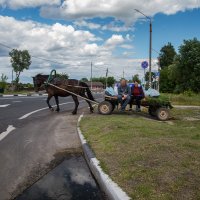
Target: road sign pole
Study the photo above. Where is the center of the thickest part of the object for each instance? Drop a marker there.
(150, 48)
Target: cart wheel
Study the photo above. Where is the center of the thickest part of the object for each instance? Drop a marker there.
(152, 111)
(105, 108)
(162, 114)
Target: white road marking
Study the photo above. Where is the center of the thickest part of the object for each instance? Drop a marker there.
(35, 111)
(3, 106)
(27, 143)
(4, 134)
(21, 97)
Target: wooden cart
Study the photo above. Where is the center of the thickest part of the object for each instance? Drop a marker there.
(156, 107)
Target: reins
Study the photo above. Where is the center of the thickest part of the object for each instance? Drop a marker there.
(72, 93)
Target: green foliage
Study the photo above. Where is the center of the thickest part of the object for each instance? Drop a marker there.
(189, 65)
(110, 80)
(136, 78)
(159, 101)
(3, 80)
(166, 84)
(147, 76)
(184, 73)
(167, 55)
(20, 61)
(62, 75)
(84, 79)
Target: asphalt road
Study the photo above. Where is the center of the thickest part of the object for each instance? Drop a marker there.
(34, 140)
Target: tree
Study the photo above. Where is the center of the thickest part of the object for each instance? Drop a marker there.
(62, 75)
(110, 80)
(3, 80)
(20, 61)
(167, 55)
(147, 76)
(136, 78)
(84, 79)
(188, 66)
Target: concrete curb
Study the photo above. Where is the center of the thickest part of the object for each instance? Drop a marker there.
(21, 95)
(111, 189)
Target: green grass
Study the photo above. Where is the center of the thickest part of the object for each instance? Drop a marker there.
(149, 159)
(183, 99)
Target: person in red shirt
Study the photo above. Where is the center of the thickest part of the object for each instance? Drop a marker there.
(137, 95)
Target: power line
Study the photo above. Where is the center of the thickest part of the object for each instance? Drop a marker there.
(55, 62)
(36, 56)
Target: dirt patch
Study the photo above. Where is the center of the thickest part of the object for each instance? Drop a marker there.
(191, 119)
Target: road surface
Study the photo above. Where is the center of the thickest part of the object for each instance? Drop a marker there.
(34, 140)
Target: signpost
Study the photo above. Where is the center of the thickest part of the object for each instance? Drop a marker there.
(144, 65)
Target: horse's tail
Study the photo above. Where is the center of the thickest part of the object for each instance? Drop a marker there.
(89, 93)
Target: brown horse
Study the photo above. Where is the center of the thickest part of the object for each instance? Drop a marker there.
(72, 85)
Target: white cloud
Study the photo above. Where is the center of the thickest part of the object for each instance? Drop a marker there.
(115, 40)
(90, 49)
(63, 44)
(107, 27)
(16, 4)
(124, 11)
(83, 23)
(126, 46)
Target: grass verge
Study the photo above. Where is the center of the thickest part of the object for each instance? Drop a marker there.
(149, 159)
(183, 99)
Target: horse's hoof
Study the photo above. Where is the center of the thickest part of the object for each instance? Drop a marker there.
(51, 109)
(74, 113)
(91, 111)
(57, 110)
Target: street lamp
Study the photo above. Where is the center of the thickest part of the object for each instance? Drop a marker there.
(150, 43)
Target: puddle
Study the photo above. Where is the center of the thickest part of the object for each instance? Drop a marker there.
(71, 180)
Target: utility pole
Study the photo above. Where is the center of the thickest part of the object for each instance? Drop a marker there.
(12, 80)
(91, 77)
(150, 43)
(123, 73)
(150, 52)
(107, 78)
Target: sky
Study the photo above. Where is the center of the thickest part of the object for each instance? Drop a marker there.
(67, 35)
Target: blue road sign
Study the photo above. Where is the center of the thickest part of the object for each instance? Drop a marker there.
(144, 64)
(157, 73)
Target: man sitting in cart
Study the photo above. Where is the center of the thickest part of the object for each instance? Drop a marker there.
(124, 94)
(137, 95)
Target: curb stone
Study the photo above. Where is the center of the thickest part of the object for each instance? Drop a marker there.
(111, 189)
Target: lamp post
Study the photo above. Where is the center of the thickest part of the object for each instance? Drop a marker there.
(150, 43)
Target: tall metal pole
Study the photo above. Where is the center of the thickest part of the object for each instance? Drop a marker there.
(150, 52)
(91, 76)
(107, 78)
(150, 44)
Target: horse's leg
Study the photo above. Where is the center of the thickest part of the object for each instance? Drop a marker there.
(57, 103)
(91, 108)
(48, 99)
(75, 98)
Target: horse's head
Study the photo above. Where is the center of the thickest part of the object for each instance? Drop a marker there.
(38, 81)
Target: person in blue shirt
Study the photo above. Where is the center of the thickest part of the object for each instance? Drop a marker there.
(124, 94)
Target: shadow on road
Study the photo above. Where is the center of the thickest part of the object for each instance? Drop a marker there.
(69, 180)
